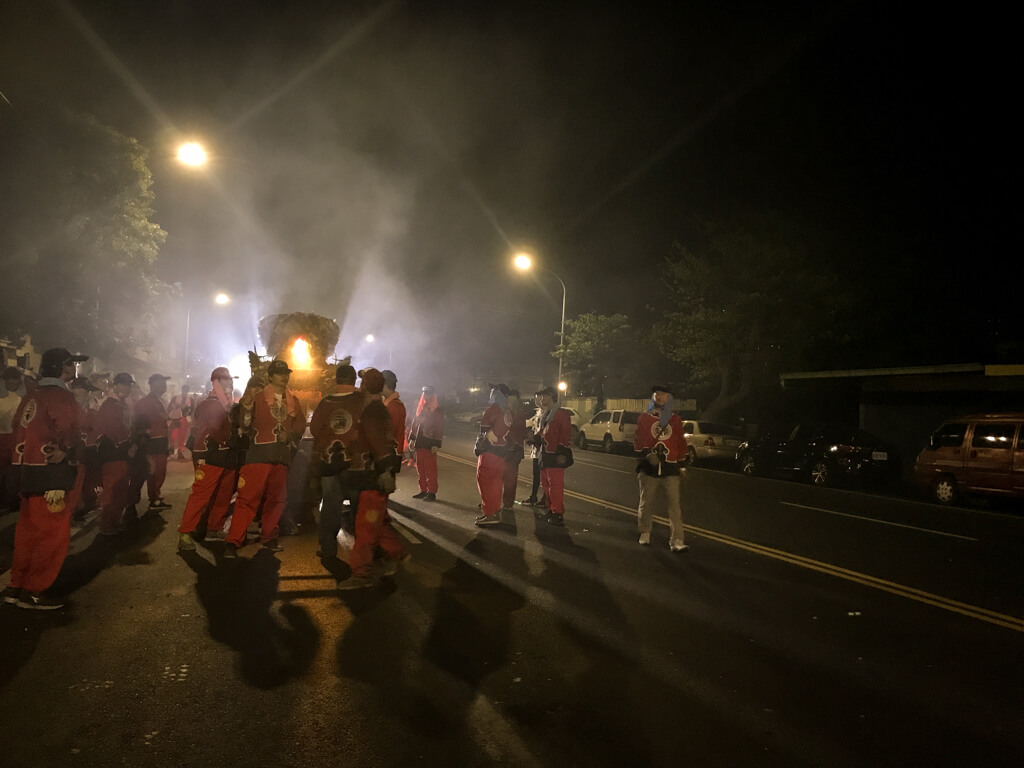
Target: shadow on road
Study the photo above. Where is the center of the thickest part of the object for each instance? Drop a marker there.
(273, 645)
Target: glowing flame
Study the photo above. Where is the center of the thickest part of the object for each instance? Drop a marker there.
(301, 359)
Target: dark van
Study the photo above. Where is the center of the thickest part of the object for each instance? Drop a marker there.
(974, 455)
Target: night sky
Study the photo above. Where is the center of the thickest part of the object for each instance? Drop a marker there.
(379, 162)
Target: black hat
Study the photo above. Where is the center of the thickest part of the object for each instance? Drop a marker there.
(661, 388)
(390, 379)
(81, 382)
(57, 358)
(124, 378)
(428, 390)
(345, 373)
(278, 366)
(503, 388)
(547, 391)
(158, 377)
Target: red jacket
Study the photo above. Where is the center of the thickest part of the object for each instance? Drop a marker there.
(556, 432)
(396, 409)
(498, 421)
(48, 419)
(113, 422)
(668, 441)
(428, 428)
(151, 416)
(270, 420)
(352, 433)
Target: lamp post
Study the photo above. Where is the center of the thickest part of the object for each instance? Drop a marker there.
(220, 300)
(524, 263)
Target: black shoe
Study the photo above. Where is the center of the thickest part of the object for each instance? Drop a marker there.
(530, 502)
(37, 601)
(327, 555)
(430, 497)
(10, 595)
(159, 504)
(488, 520)
(230, 551)
(273, 546)
(555, 519)
(419, 495)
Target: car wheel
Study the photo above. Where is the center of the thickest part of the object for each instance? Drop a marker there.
(819, 475)
(945, 491)
(608, 444)
(747, 465)
(690, 459)
(581, 440)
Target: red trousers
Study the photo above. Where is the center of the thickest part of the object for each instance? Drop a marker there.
(211, 493)
(157, 475)
(426, 468)
(267, 483)
(553, 482)
(41, 539)
(178, 435)
(490, 481)
(373, 529)
(113, 500)
(511, 482)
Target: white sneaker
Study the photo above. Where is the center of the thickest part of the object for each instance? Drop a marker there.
(645, 539)
(678, 547)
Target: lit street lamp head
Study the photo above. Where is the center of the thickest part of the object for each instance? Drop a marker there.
(192, 154)
(222, 299)
(522, 261)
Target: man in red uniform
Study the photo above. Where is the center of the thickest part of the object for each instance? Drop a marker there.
(659, 437)
(426, 433)
(554, 437)
(218, 454)
(491, 449)
(354, 440)
(151, 424)
(116, 446)
(47, 431)
(515, 440)
(275, 420)
(396, 408)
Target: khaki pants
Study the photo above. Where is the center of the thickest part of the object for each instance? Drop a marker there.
(669, 487)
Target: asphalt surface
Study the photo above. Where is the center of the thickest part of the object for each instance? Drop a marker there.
(804, 626)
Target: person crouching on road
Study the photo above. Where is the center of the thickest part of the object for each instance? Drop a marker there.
(555, 433)
(218, 452)
(46, 432)
(659, 437)
(152, 423)
(116, 448)
(276, 420)
(491, 449)
(355, 441)
(426, 434)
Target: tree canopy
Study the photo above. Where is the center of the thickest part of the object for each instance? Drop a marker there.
(77, 247)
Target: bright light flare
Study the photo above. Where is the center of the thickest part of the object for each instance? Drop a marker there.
(301, 358)
(522, 261)
(192, 154)
(562, 386)
(222, 299)
(370, 338)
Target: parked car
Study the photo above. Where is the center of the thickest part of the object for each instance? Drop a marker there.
(576, 420)
(610, 430)
(981, 454)
(821, 454)
(710, 440)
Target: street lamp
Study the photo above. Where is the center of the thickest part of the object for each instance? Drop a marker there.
(370, 339)
(220, 299)
(524, 263)
(192, 154)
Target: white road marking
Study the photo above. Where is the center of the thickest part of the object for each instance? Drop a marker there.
(880, 522)
(405, 532)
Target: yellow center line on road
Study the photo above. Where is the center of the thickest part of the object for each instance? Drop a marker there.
(938, 601)
(880, 522)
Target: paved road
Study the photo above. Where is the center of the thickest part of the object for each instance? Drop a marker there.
(804, 627)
